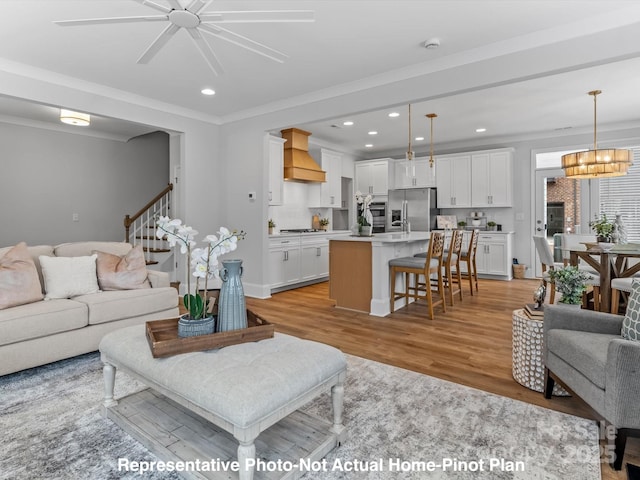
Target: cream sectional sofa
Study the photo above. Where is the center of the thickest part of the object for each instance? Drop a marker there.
(49, 330)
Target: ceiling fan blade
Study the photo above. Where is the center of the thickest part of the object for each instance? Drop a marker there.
(154, 5)
(158, 43)
(198, 5)
(244, 42)
(206, 51)
(262, 16)
(99, 21)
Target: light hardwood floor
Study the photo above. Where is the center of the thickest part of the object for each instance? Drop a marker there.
(470, 344)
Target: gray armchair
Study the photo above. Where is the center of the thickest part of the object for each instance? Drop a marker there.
(583, 349)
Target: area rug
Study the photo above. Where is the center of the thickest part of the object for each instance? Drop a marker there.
(401, 425)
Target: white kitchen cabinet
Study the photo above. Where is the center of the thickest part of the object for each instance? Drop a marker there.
(314, 259)
(416, 173)
(492, 174)
(453, 179)
(274, 151)
(284, 261)
(372, 176)
(494, 254)
(327, 194)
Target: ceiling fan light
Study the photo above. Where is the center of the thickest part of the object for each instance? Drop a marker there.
(75, 118)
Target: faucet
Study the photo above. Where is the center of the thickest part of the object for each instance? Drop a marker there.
(404, 219)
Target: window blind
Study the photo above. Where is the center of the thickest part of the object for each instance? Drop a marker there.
(620, 195)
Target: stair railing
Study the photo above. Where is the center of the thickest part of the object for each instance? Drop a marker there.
(140, 227)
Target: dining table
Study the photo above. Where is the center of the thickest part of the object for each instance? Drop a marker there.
(618, 261)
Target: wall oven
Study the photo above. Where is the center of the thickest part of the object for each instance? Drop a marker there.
(379, 212)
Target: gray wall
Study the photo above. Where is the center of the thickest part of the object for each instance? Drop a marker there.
(47, 176)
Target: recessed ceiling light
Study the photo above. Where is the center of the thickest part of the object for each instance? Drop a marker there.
(75, 118)
(373, 132)
(208, 91)
(369, 145)
(348, 123)
(481, 130)
(394, 114)
(419, 139)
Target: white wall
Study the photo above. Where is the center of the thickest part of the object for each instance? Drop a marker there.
(50, 175)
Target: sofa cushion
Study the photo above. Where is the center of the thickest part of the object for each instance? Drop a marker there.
(118, 304)
(41, 319)
(631, 322)
(35, 252)
(19, 281)
(127, 272)
(84, 249)
(66, 277)
(585, 351)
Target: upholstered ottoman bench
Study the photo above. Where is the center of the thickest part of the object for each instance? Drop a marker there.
(243, 389)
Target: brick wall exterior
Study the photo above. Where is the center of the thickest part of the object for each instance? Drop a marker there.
(567, 191)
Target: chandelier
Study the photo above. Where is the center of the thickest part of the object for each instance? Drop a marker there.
(596, 163)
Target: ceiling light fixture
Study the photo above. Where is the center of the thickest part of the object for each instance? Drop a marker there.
(432, 43)
(481, 130)
(75, 118)
(432, 162)
(394, 114)
(348, 123)
(419, 139)
(596, 163)
(409, 155)
(208, 91)
(369, 145)
(373, 132)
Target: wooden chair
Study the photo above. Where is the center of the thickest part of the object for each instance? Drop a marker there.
(413, 267)
(619, 286)
(451, 266)
(546, 259)
(469, 257)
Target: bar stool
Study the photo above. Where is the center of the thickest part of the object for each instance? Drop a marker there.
(469, 257)
(451, 264)
(413, 267)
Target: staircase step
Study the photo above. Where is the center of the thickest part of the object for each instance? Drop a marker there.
(156, 250)
(148, 237)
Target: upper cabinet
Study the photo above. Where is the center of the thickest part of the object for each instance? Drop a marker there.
(492, 174)
(475, 179)
(416, 173)
(372, 176)
(274, 152)
(453, 179)
(329, 193)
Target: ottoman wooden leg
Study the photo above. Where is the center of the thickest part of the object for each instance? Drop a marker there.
(337, 399)
(109, 375)
(246, 459)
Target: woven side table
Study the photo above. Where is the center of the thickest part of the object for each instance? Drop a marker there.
(528, 366)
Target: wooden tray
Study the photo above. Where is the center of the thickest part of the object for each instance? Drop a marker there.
(163, 339)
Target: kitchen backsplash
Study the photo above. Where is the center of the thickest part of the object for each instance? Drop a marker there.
(294, 211)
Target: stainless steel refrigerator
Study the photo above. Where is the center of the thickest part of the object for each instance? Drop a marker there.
(415, 207)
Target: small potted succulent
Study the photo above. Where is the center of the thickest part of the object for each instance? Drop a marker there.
(272, 225)
(462, 224)
(570, 282)
(324, 223)
(491, 225)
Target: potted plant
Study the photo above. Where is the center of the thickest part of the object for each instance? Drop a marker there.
(491, 225)
(324, 223)
(272, 225)
(603, 228)
(462, 224)
(570, 282)
(205, 265)
(365, 218)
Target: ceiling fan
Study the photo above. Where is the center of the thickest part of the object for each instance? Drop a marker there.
(195, 21)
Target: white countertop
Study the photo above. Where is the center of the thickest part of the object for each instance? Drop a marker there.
(310, 234)
(393, 237)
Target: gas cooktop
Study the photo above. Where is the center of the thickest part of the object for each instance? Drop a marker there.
(299, 230)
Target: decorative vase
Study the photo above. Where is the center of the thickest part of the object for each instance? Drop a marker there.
(190, 328)
(232, 309)
(365, 230)
(270, 230)
(621, 228)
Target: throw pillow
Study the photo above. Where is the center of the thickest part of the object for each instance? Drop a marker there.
(631, 322)
(19, 282)
(128, 272)
(66, 277)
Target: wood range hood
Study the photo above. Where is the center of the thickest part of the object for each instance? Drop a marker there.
(299, 166)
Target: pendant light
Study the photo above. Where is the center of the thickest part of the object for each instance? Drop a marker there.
(410, 154)
(432, 162)
(597, 163)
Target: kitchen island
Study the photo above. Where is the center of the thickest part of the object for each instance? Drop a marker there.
(359, 269)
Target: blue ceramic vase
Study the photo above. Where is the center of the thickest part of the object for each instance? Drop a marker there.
(232, 309)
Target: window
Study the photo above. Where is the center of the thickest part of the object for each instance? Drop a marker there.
(619, 195)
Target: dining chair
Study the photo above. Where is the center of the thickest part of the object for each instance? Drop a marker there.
(619, 286)
(546, 259)
(468, 257)
(451, 266)
(413, 268)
